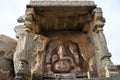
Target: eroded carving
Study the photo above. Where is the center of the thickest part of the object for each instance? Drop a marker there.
(38, 53)
(57, 56)
(22, 54)
(64, 57)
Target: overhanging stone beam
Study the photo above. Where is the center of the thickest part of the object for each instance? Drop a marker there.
(62, 15)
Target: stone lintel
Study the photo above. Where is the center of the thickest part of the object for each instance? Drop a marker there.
(62, 3)
(63, 15)
(78, 7)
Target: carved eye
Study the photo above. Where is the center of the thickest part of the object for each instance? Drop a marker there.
(54, 58)
(2, 53)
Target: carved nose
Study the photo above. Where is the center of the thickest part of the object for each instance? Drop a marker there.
(61, 52)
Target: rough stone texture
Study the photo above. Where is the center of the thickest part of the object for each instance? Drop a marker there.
(22, 53)
(61, 3)
(80, 38)
(59, 16)
(61, 40)
(102, 53)
(52, 77)
(7, 49)
(64, 57)
(83, 24)
(77, 21)
(38, 53)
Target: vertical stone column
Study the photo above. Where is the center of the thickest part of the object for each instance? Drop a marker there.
(102, 50)
(22, 56)
(105, 56)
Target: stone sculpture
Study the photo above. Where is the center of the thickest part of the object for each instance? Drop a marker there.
(64, 57)
(59, 40)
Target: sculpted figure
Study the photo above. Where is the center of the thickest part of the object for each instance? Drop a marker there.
(55, 55)
(74, 49)
(64, 57)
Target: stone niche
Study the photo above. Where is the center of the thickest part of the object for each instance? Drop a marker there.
(61, 40)
(67, 28)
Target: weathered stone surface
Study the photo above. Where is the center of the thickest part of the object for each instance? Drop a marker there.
(53, 77)
(61, 3)
(7, 49)
(21, 19)
(80, 38)
(64, 57)
(38, 53)
(59, 40)
(22, 53)
(62, 15)
(103, 55)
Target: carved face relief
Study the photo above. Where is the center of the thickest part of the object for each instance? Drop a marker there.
(62, 66)
(63, 57)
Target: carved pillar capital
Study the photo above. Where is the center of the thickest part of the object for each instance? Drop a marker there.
(99, 20)
(98, 15)
(28, 19)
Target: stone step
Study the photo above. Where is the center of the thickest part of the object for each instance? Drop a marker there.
(61, 78)
(112, 78)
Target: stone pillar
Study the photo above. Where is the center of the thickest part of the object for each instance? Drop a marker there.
(22, 54)
(97, 53)
(22, 63)
(100, 41)
(103, 45)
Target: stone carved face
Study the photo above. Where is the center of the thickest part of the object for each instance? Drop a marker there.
(63, 57)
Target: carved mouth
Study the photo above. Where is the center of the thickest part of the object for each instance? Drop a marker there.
(62, 66)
